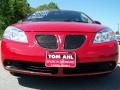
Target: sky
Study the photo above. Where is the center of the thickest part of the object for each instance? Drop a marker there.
(105, 11)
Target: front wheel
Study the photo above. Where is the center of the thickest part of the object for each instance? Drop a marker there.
(16, 74)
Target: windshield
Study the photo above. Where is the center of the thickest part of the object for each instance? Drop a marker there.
(58, 15)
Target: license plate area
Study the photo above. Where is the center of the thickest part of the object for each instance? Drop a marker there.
(60, 59)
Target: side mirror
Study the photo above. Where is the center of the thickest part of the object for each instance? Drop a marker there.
(97, 22)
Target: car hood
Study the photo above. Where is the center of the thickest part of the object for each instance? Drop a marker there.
(58, 27)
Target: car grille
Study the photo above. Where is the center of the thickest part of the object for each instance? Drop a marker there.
(73, 41)
(30, 66)
(50, 41)
(90, 68)
(47, 41)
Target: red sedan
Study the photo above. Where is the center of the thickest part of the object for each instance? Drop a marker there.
(59, 43)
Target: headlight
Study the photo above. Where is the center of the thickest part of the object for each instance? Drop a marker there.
(15, 34)
(105, 35)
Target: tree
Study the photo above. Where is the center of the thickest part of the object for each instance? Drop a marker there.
(21, 8)
(5, 9)
(42, 7)
(49, 6)
(52, 5)
(117, 32)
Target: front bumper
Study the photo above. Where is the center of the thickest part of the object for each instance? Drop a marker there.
(40, 69)
(88, 55)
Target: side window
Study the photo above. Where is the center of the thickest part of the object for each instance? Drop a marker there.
(85, 18)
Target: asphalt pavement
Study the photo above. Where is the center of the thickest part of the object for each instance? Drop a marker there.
(9, 82)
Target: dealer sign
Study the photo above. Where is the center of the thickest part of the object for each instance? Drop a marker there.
(60, 59)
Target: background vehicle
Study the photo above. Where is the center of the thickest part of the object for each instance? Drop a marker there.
(118, 38)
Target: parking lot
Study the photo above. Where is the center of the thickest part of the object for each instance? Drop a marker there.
(9, 82)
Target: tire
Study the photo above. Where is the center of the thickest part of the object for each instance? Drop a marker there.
(16, 74)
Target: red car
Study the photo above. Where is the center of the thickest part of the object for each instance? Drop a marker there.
(59, 43)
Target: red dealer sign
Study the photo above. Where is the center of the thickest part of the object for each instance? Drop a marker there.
(60, 59)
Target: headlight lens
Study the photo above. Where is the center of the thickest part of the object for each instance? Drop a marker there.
(15, 34)
(105, 35)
